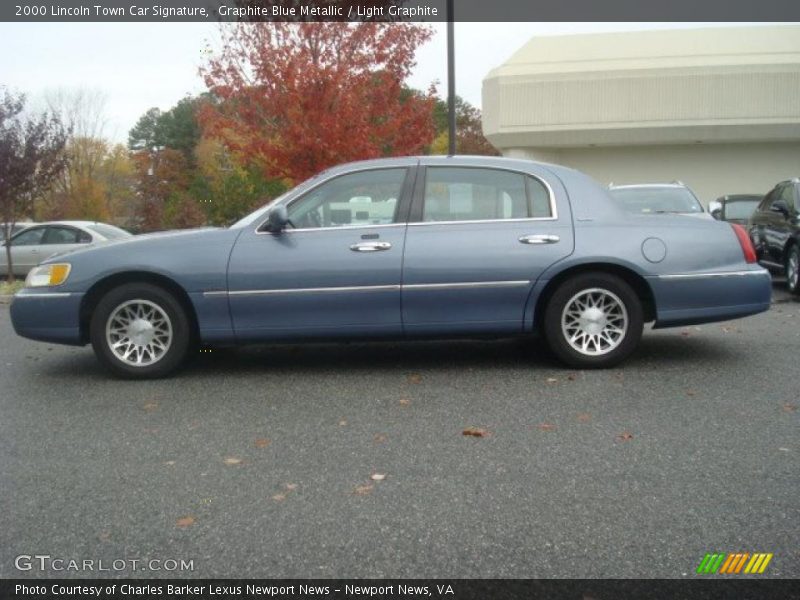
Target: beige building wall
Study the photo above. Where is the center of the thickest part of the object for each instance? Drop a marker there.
(711, 170)
(717, 108)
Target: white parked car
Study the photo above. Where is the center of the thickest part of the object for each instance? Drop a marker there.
(18, 226)
(35, 243)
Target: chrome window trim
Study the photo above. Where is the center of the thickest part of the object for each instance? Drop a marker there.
(716, 274)
(304, 193)
(342, 228)
(372, 288)
(550, 196)
(529, 219)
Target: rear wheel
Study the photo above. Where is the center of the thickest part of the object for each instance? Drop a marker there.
(593, 320)
(140, 331)
(793, 269)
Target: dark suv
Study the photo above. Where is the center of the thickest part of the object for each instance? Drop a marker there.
(775, 231)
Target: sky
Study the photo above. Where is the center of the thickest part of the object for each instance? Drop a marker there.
(136, 66)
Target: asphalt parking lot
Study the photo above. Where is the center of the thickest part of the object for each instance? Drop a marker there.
(258, 462)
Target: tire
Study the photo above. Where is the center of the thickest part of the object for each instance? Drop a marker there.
(593, 321)
(155, 325)
(792, 269)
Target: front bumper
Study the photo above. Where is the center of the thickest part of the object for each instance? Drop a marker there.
(692, 298)
(47, 316)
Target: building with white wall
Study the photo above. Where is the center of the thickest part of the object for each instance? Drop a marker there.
(717, 108)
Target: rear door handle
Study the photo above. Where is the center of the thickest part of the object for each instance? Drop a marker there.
(539, 239)
(370, 246)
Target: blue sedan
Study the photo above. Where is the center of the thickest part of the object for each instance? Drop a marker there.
(403, 247)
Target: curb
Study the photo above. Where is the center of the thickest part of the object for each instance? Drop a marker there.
(6, 298)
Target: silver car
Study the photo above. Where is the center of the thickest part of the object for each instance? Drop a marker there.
(34, 244)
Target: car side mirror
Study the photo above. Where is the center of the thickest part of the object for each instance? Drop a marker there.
(780, 206)
(277, 219)
(717, 213)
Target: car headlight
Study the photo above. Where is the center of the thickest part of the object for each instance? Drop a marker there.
(48, 275)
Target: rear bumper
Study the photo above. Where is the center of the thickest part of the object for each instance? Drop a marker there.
(47, 316)
(692, 298)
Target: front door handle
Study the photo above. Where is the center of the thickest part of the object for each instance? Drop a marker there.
(539, 239)
(370, 246)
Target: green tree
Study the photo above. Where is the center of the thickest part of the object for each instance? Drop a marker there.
(469, 130)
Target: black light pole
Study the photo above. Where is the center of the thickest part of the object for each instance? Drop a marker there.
(451, 80)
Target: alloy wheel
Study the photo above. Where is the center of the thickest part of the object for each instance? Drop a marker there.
(139, 332)
(594, 321)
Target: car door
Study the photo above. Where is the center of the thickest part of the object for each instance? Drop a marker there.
(478, 238)
(337, 273)
(26, 250)
(774, 226)
(62, 238)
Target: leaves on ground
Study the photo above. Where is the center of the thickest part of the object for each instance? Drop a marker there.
(690, 392)
(169, 463)
(378, 476)
(405, 402)
(415, 378)
(232, 461)
(475, 432)
(363, 490)
(379, 438)
(584, 417)
(150, 406)
(291, 486)
(572, 377)
(104, 536)
(546, 427)
(625, 436)
(552, 380)
(186, 521)
(343, 422)
(789, 407)
(262, 443)
(279, 497)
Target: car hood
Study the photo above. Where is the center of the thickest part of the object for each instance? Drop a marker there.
(134, 242)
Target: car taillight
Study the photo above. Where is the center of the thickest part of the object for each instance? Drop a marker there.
(744, 241)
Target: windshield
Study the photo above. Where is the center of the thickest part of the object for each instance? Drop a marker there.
(651, 199)
(740, 209)
(109, 231)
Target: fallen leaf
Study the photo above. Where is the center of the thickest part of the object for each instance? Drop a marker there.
(104, 536)
(261, 443)
(378, 476)
(546, 427)
(232, 461)
(552, 380)
(342, 423)
(789, 407)
(279, 497)
(291, 486)
(379, 438)
(415, 378)
(169, 463)
(404, 401)
(572, 377)
(362, 490)
(150, 406)
(690, 392)
(584, 417)
(625, 436)
(475, 432)
(185, 522)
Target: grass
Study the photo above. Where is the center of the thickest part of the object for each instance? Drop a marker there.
(7, 289)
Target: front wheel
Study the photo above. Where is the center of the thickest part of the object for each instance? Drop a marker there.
(140, 331)
(793, 270)
(593, 320)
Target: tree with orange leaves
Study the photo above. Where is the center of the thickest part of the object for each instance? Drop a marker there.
(296, 98)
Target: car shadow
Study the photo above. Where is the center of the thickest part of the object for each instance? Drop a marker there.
(668, 349)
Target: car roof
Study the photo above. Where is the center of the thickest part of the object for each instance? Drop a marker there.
(70, 223)
(648, 185)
